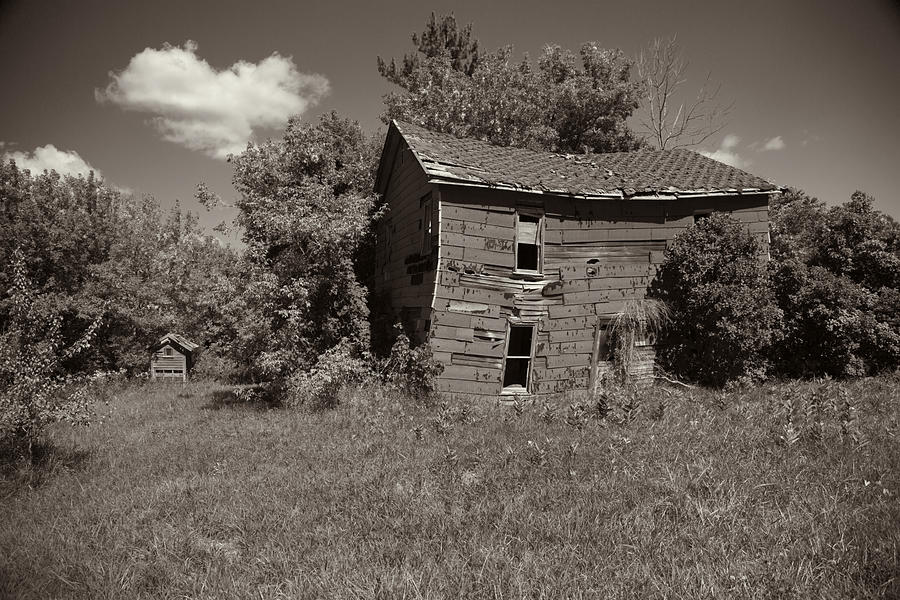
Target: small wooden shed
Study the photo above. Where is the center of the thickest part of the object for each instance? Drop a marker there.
(172, 357)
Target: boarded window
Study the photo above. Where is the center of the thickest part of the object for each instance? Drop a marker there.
(528, 242)
(517, 365)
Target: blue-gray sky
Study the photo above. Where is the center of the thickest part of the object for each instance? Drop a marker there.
(815, 85)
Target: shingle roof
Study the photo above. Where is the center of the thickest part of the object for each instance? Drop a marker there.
(177, 339)
(446, 157)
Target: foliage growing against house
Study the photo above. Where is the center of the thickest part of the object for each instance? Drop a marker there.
(724, 319)
(306, 204)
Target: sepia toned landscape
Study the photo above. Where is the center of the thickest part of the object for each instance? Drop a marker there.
(308, 300)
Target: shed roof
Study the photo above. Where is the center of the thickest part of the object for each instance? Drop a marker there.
(179, 340)
(468, 161)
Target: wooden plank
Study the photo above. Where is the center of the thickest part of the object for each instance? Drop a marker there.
(466, 386)
(595, 359)
(618, 283)
(556, 361)
(442, 357)
(486, 257)
(563, 383)
(451, 252)
(478, 229)
(570, 335)
(463, 334)
(452, 319)
(563, 311)
(475, 374)
(446, 345)
(481, 348)
(571, 323)
(470, 308)
(569, 272)
(495, 215)
(483, 362)
(448, 278)
(580, 347)
(475, 295)
(602, 296)
(490, 323)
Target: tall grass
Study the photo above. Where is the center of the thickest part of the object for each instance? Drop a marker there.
(783, 491)
(641, 319)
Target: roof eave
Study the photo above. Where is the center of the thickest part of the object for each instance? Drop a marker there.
(617, 195)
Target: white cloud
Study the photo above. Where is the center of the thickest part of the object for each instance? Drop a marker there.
(730, 141)
(776, 143)
(726, 152)
(215, 111)
(49, 157)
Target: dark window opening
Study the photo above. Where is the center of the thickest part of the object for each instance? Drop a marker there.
(518, 358)
(605, 350)
(527, 257)
(701, 216)
(426, 224)
(528, 243)
(167, 351)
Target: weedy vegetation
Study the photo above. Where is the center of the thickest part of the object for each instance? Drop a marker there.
(780, 491)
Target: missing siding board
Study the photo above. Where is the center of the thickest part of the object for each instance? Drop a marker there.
(517, 363)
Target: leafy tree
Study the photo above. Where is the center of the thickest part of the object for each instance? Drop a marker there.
(836, 273)
(94, 252)
(35, 391)
(306, 206)
(440, 39)
(566, 103)
(724, 320)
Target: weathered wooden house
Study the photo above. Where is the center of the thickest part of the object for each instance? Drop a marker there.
(172, 357)
(509, 262)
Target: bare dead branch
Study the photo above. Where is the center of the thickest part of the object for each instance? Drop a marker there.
(662, 69)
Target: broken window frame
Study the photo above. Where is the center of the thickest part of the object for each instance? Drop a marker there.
(508, 390)
(538, 240)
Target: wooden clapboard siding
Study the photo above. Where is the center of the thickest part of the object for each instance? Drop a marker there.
(165, 367)
(597, 255)
(405, 269)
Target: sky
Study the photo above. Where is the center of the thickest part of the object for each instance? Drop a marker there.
(154, 95)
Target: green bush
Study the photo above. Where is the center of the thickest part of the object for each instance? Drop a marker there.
(724, 318)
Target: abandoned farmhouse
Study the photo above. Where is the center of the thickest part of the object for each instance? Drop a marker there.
(510, 263)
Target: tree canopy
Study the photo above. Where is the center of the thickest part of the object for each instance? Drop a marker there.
(306, 204)
(564, 103)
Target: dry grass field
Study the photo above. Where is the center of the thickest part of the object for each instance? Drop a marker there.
(782, 491)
